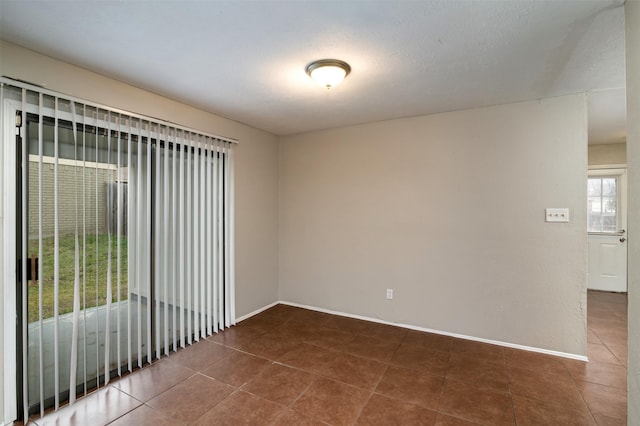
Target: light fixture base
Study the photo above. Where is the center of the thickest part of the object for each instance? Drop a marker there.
(328, 72)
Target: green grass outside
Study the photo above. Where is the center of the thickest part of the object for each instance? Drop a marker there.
(93, 280)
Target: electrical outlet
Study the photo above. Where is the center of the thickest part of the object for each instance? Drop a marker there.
(389, 293)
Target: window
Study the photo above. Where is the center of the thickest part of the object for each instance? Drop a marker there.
(602, 204)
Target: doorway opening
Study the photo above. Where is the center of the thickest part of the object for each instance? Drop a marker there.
(606, 230)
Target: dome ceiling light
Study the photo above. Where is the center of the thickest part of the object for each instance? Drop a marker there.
(328, 72)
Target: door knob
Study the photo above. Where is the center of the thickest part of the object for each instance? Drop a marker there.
(623, 239)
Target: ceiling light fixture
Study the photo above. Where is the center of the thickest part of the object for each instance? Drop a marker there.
(328, 72)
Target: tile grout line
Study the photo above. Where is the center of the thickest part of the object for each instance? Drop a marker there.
(371, 392)
(583, 399)
(444, 381)
(513, 404)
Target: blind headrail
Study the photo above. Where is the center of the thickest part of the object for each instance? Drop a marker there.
(158, 121)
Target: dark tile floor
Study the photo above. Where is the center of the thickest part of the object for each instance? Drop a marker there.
(290, 366)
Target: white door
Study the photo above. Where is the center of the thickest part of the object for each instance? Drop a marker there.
(606, 221)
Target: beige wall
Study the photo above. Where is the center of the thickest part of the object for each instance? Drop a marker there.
(632, 18)
(608, 154)
(448, 210)
(256, 178)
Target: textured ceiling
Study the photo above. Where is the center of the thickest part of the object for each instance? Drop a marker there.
(245, 60)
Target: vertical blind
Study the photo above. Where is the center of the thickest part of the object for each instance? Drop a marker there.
(131, 222)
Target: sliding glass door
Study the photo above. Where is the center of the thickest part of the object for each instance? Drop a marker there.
(125, 243)
(88, 228)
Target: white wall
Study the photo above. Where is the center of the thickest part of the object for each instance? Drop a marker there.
(632, 18)
(256, 179)
(607, 154)
(448, 210)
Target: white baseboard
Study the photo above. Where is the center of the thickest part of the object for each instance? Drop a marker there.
(427, 330)
(257, 311)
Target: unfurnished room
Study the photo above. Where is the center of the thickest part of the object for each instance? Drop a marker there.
(317, 212)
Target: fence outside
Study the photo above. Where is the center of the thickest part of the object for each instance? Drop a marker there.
(97, 189)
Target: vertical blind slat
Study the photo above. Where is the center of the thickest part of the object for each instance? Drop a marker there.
(140, 244)
(227, 218)
(181, 249)
(174, 238)
(56, 263)
(118, 245)
(73, 364)
(84, 252)
(231, 253)
(196, 223)
(214, 235)
(96, 236)
(202, 238)
(189, 238)
(158, 251)
(107, 331)
(207, 238)
(40, 264)
(140, 240)
(166, 245)
(149, 253)
(24, 256)
(220, 257)
(130, 223)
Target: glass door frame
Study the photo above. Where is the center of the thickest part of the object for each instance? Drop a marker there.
(10, 255)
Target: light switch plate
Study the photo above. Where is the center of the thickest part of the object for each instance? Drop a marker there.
(556, 215)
